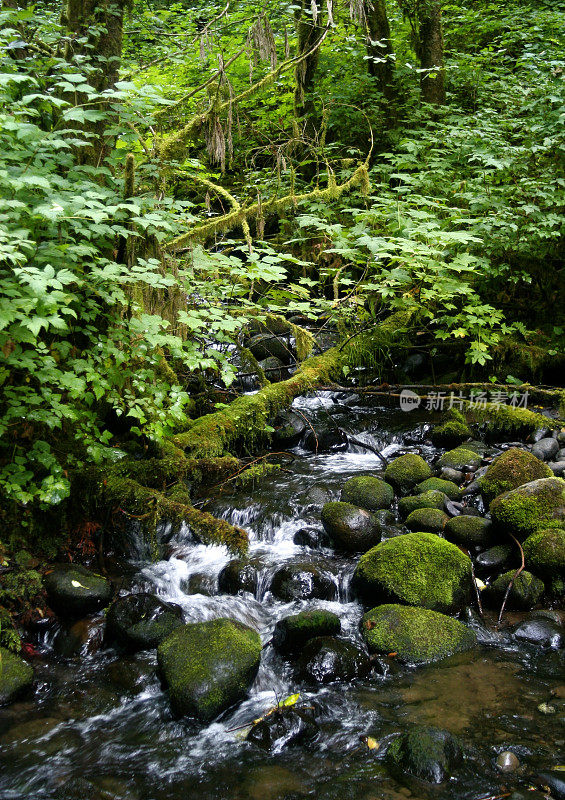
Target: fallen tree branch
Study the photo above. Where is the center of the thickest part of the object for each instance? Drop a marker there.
(511, 584)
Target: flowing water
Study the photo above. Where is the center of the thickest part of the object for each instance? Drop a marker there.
(99, 724)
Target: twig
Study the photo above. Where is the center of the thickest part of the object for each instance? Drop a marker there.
(370, 447)
(307, 421)
(511, 584)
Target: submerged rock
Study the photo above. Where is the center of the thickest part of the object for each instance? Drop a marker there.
(544, 552)
(510, 470)
(75, 591)
(418, 569)
(292, 633)
(284, 727)
(368, 492)
(430, 754)
(469, 530)
(209, 666)
(448, 488)
(430, 499)
(524, 594)
(416, 635)
(407, 471)
(507, 761)
(325, 659)
(141, 621)
(349, 527)
(302, 582)
(430, 520)
(535, 506)
(16, 676)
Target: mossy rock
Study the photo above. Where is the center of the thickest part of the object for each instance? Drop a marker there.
(265, 345)
(450, 434)
(462, 458)
(141, 621)
(368, 492)
(448, 488)
(416, 635)
(430, 520)
(532, 507)
(73, 590)
(511, 469)
(417, 569)
(302, 581)
(349, 527)
(469, 531)
(209, 666)
(429, 754)
(495, 558)
(544, 552)
(325, 660)
(292, 633)
(239, 575)
(429, 499)
(524, 594)
(407, 471)
(16, 676)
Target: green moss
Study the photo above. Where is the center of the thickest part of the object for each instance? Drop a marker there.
(448, 488)
(504, 420)
(469, 531)
(430, 499)
(524, 594)
(368, 492)
(461, 458)
(544, 552)
(16, 676)
(416, 635)
(534, 506)
(429, 754)
(418, 569)
(350, 527)
(430, 520)
(451, 433)
(511, 469)
(407, 471)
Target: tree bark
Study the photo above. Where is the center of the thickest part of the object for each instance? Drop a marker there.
(309, 34)
(379, 47)
(430, 53)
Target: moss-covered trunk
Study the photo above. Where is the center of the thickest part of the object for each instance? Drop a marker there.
(430, 53)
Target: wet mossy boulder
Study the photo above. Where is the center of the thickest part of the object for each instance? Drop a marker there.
(535, 506)
(239, 575)
(449, 488)
(417, 569)
(289, 428)
(292, 633)
(469, 530)
(416, 635)
(429, 520)
(325, 660)
(526, 591)
(494, 559)
(302, 581)
(209, 666)
(407, 471)
(368, 492)
(429, 754)
(429, 499)
(451, 433)
(16, 676)
(509, 470)
(141, 621)
(349, 527)
(544, 552)
(74, 591)
(461, 458)
(266, 345)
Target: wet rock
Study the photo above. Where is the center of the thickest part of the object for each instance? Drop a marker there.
(530, 508)
(507, 761)
(209, 666)
(141, 621)
(462, 459)
(429, 499)
(416, 635)
(524, 594)
(407, 471)
(469, 531)
(16, 676)
(239, 575)
(284, 727)
(451, 433)
(542, 632)
(558, 468)
(493, 559)
(292, 633)
(452, 475)
(545, 449)
(325, 660)
(555, 781)
(265, 345)
(418, 569)
(349, 527)
(129, 675)
(326, 440)
(472, 489)
(544, 552)
(311, 537)
(316, 497)
(74, 591)
(298, 581)
(274, 369)
(200, 583)
(29, 731)
(510, 470)
(289, 428)
(368, 492)
(448, 488)
(84, 637)
(429, 520)
(426, 753)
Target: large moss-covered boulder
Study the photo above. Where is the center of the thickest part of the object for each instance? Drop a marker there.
(368, 492)
(429, 520)
(448, 488)
(416, 635)
(417, 569)
(511, 469)
(349, 527)
(209, 666)
(532, 507)
(407, 471)
(524, 594)
(469, 530)
(325, 660)
(292, 633)
(429, 499)
(545, 553)
(462, 458)
(16, 676)
(141, 621)
(426, 753)
(73, 590)
(451, 433)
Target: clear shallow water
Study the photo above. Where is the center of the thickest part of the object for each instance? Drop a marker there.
(99, 724)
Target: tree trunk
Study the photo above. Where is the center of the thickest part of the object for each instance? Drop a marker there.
(430, 53)
(379, 46)
(309, 34)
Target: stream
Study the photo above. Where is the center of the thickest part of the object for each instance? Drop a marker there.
(99, 725)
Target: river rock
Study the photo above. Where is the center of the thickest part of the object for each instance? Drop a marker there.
(74, 591)
(507, 761)
(289, 428)
(430, 754)
(407, 471)
(462, 458)
(312, 537)
(448, 488)
(510, 470)
(199, 583)
(494, 559)
(418, 569)
(325, 660)
(16, 676)
(326, 440)
(416, 635)
(274, 369)
(542, 632)
(349, 527)
(368, 492)
(469, 530)
(429, 520)
(141, 621)
(429, 499)
(544, 552)
(534, 506)
(209, 666)
(83, 637)
(557, 467)
(451, 433)
(284, 727)
(524, 594)
(554, 779)
(265, 345)
(545, 449)
(299, 581)
(291, 633)
(451, 475)
(239, 575)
